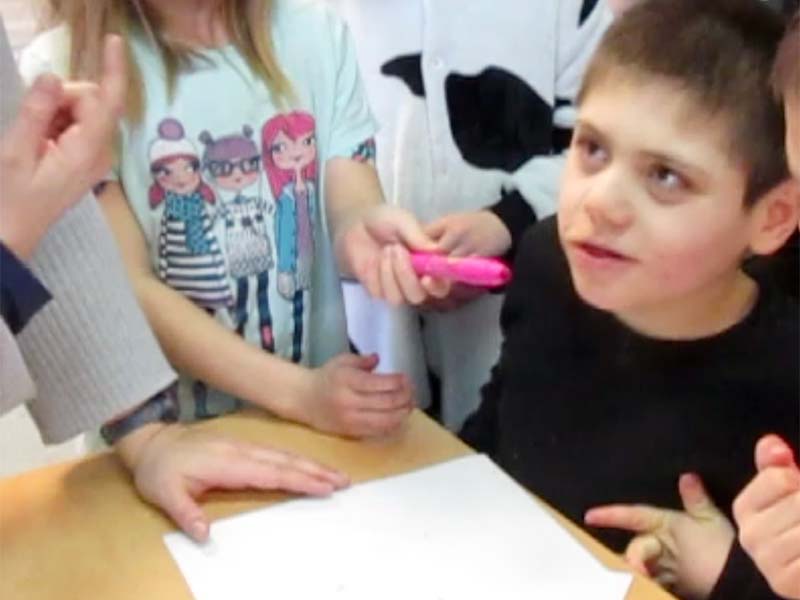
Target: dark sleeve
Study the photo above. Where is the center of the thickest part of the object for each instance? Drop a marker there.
(517, 215)
(741, 579)
(21, 294)
(481, 430)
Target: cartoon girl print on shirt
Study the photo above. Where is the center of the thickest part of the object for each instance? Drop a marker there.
(290, 157)
(189, 256)
(233, 163)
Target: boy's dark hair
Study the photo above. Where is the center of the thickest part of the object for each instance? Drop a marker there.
(786, 73)
(721, 53)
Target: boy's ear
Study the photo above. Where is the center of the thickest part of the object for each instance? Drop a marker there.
(775, 217)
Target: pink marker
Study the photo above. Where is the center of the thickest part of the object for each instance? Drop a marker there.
(477, 271)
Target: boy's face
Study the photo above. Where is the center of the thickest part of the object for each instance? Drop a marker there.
(651, 209)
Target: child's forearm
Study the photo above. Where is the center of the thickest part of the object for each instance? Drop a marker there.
(199, 346)
(193, 341)
(352, 188)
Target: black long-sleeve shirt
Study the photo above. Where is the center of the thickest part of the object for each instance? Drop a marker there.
(585, 412)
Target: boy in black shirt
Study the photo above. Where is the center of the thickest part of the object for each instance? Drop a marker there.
(637, 352)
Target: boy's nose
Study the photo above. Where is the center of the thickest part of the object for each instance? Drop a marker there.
(606, 201)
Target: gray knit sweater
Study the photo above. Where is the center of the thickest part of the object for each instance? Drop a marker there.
(90, 349)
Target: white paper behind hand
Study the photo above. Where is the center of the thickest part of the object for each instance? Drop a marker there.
(461, 530)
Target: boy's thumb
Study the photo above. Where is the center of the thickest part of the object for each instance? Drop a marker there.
(696, 500)
(772, 451)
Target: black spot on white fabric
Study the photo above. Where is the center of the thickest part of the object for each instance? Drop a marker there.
(409, 69)
(498, 121)
(586, 9)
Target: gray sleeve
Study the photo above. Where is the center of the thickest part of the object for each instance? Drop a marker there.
(89, 350)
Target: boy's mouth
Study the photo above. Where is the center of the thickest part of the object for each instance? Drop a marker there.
(600, 252)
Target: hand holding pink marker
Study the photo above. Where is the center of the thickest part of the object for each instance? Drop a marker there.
(473, 270)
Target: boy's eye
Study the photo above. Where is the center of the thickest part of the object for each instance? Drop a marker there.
(591, 152)
(668, 179)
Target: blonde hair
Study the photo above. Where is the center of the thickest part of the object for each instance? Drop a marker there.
(88, 21)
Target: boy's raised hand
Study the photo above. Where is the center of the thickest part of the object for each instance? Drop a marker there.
(58, 148)
(346, 397)
(683, 550)
(375, 249)
(768, 515)
(173, 465)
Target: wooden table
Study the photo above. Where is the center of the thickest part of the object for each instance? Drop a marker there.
(79, 531)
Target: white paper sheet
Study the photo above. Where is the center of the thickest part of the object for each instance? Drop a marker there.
(461, 530)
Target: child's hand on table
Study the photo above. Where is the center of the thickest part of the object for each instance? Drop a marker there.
(768, 515)
(173, 465)
(345, 397)
(375, 249)
(683, 550)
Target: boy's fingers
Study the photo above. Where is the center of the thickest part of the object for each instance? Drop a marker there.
(768, 488)
(640, 519)
(642, 552)
(114, 82)
(772, 451)
(695, 499)
(40, 105)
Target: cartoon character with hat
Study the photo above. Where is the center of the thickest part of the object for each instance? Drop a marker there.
(190, 260)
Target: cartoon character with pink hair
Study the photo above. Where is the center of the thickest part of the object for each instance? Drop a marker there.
(190, 260)
(289, 152)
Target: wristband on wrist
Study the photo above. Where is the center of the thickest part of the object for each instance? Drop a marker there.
(161, 408)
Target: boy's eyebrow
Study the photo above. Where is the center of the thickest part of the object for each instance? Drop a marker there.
(691, 169)
(586, 126)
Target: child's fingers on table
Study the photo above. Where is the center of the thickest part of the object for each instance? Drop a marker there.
(176, 501)
(246, 472)
(407, 278)
(284, 459)
(374, 424)
(383, 402)
(769, 487)
(374, 383)
(638, 518)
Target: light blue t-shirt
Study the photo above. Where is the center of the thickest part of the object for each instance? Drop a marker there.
(228, 187)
